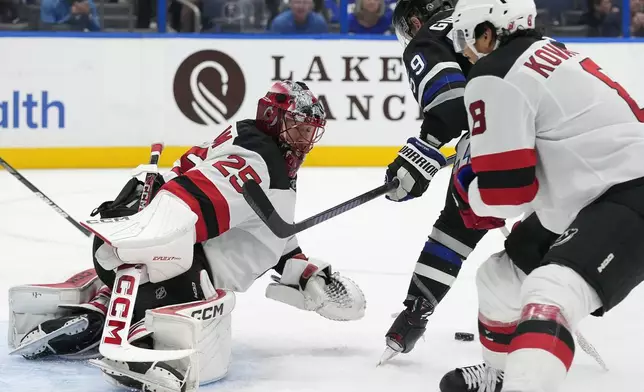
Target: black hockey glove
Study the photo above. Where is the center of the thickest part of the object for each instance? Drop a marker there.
(415, 166)
(127, 201)
(409, 326)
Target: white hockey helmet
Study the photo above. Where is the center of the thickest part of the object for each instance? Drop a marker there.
(507, 16)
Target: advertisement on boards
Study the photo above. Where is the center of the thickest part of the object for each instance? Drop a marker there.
(31, 111)
(365, 92)
(126, 92)
(121, 93)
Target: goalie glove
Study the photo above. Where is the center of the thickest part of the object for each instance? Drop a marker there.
(309, 284)
(415, 166)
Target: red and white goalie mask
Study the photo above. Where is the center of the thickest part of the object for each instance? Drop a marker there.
(292, 113)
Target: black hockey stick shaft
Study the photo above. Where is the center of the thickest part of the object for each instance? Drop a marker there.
(259, 202)
(155, 153)
(43, 197)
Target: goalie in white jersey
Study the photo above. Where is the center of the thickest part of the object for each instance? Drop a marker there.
(551, 132)
(200, 242)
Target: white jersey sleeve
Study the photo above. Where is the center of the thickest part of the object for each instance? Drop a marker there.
(502, 148)
(292, 246)
(209, 179)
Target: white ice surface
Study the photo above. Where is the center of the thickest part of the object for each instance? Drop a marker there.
(278, 348)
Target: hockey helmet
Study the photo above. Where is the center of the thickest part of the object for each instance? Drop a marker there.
(422, 9)
(290, 111)
(506, 16)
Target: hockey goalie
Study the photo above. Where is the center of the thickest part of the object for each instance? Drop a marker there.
(199, 242)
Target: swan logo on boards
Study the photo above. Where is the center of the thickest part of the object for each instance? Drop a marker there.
(32, 110)
(209, 87)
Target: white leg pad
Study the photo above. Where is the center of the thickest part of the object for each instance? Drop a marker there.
(30, 305)
(204, 326)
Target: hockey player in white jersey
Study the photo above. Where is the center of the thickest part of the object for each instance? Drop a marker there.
(551, 132)
(200, 242)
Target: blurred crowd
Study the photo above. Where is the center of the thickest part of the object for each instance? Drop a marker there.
(589, 18)
(558, 18)
(206, 16)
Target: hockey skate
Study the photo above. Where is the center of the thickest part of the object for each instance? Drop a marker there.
(71, 337)
(142, 376)
(476, 378)
(408, 327)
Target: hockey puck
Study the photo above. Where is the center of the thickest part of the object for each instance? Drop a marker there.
(464, 336)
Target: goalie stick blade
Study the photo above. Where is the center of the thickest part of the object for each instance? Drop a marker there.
(114, 340)
(128, 353)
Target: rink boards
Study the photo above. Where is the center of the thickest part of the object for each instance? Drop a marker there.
(80, 102)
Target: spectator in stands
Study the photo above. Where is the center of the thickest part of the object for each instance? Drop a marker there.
(326, 8)
(77, 14)
(299, 19)
(273, 7)
(9, 11)
(370, 17)
(603, 19)
(637, 18)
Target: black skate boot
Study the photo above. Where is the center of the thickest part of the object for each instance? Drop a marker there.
(142, 376)
(74, 337)
(409, 326)
(477, 378)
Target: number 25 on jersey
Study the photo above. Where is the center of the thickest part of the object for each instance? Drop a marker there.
(238, 164)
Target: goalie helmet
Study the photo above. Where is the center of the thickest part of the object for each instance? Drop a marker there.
(422, 9)
(290, 112)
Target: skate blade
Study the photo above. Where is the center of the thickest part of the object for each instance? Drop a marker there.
(32, 347)
(151, 384)
(387, 355)
(89, 353)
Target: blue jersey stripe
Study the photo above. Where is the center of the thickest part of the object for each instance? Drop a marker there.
(443, 252)
(439, 84)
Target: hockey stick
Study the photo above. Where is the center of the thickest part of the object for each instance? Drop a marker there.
(583, 343)
(42, 196)
(259, 202)
(114, 340)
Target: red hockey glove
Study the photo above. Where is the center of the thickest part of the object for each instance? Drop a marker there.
(463, 177)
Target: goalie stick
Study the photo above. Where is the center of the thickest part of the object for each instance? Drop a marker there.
(43, 197)
(259, 202)
(118, 319)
